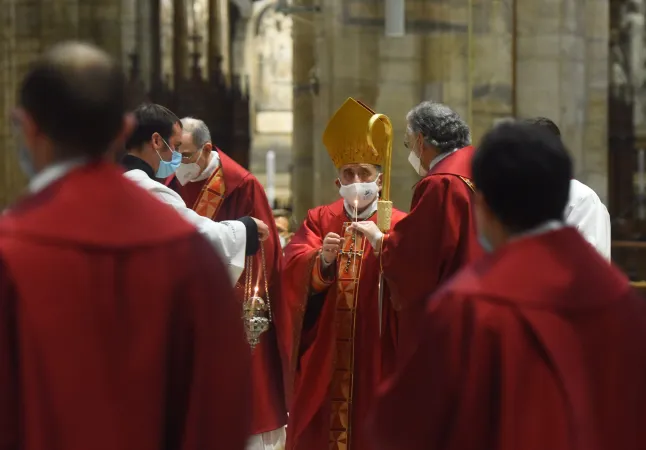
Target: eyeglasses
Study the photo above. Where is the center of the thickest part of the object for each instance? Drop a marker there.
(190, 155)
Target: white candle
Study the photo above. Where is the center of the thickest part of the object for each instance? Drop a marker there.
(271, 178)
(356, 219)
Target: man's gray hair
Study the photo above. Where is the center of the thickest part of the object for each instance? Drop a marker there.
(440, 126)
(198, 130)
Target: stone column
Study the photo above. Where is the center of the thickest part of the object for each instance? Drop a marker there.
(180, 43)
(593, 167)
(562, 74)
(303, 62)
(219, 42)
(97, 23)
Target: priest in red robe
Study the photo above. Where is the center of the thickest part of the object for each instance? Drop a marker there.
(103, 344)
(217, 187)
(331, 281)
(438, 236)
(538, 345)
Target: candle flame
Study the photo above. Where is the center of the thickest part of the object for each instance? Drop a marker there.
(256, 291)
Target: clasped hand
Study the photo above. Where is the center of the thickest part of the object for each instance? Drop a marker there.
(332, 244)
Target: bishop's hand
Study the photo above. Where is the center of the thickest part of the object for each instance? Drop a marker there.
(371, 231)
(332, 243)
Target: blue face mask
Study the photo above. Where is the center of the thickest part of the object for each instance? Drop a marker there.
(167, 168)
(485, 243)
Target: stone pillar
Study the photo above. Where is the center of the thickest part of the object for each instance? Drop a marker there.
(561, 63)
(180, 43)
(303, 63)
(96, 24)
(593, 168)
(144, 39)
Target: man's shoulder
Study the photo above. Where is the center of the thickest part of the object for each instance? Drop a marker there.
(235, 176)
(441, 179)
(580, 191)
(143, 181)
(325, 212)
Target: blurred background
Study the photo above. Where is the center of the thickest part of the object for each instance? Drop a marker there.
(266, 76)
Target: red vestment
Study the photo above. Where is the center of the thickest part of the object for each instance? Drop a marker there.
(103, 344)
(435, 240)
(229, 194)
(538, 346)
(338, 356)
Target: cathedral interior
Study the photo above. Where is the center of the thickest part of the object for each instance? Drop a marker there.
(266, 75)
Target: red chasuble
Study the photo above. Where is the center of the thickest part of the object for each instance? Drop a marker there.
(433, 241)
(104, 345)
(338, 354)
(538, 346)
(231, 193)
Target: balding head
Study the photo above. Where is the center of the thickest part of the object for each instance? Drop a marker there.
(73, 103)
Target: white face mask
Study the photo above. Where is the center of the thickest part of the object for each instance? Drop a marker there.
(188, 172)
(416, 162)
(363, 193)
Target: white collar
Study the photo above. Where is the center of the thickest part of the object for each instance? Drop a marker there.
(54, 172)
(365, 214)
(212, 166)
(440, 157)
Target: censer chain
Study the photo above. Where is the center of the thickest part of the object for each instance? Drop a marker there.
(249, 291)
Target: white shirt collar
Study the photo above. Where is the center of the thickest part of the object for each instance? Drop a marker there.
(214, 163)
(53, 173)
(365, 214)
(440, 157)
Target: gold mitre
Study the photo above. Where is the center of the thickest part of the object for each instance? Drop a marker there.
(346, 136)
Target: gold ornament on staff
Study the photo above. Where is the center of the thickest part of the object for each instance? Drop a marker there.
(384, 205)
(256, 311)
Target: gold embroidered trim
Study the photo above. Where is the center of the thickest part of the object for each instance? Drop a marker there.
(349, 262)
(209, 201)
(468, 183)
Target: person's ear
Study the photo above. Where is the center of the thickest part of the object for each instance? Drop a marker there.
(207, 149)
(337, 182)
(156, 141)
(379, 182)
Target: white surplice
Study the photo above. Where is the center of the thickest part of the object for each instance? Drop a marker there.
(588, 214)
(271, 440)
(228, 237)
